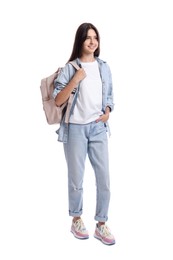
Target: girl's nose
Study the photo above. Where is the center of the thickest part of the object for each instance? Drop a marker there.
(92, 40)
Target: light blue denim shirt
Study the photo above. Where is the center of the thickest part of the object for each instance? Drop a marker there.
(65, 76)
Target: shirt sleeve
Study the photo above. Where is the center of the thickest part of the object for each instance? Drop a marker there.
(110, 94)
(63, 78)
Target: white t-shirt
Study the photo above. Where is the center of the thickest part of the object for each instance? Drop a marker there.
(88, 106)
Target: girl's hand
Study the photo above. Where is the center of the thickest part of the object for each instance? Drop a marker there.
(104, 118)
(79, 75)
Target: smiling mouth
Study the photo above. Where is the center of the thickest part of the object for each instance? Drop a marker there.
(92, 47)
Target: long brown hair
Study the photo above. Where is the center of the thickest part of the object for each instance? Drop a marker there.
(80, 37)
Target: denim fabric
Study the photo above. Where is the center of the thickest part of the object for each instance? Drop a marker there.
(88, 139)
(107, 92)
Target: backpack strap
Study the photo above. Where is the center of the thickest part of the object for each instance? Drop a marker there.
(70, 100)
(69, 103)
(74, 64)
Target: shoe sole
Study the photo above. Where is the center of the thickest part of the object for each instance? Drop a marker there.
(79, 237)
(106, 243)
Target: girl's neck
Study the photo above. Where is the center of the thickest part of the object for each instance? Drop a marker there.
(87, 58)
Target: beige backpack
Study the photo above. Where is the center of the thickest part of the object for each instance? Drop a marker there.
(53, 113)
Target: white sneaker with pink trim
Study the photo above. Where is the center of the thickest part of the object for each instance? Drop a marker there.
(79, 230)
(103, 233)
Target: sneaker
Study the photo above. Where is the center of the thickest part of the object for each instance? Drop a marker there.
(103, 233)
(78, 229)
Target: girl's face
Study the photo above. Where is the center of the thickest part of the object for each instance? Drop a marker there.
(91, 42)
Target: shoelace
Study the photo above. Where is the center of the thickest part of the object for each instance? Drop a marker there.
(79, 225)
(105, 231)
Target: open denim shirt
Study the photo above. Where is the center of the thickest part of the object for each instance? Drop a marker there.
(63, 79)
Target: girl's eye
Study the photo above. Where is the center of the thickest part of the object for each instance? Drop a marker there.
(88, 37)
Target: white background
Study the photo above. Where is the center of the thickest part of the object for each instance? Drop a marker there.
(136, 40)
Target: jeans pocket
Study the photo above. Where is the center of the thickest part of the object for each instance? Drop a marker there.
(100, 127)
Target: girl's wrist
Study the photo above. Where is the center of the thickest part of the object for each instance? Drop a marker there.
(107, 110)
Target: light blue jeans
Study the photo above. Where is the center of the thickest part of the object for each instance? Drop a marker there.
(88, 139)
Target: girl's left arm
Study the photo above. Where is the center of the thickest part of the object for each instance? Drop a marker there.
(110, 97)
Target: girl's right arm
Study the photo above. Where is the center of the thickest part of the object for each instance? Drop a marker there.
(64, 94)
